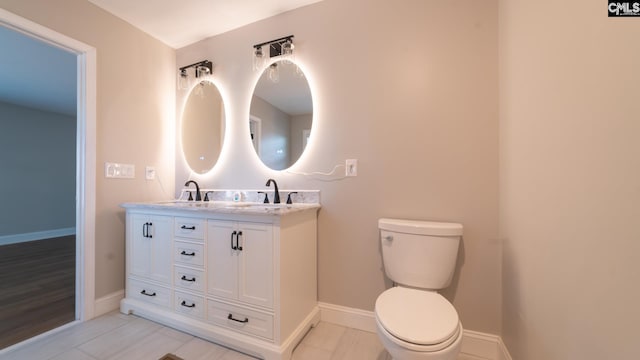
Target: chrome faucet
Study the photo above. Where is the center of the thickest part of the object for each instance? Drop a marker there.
(198, 197)
(276, 196)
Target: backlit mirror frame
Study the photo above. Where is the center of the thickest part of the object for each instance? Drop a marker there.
(203, 126)
(271, 152)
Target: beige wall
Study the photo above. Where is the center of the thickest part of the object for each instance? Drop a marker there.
(569, 180)
(135, 116)
(409, 88)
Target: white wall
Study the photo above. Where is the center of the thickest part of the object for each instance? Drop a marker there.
(409, 88)
(569, 180)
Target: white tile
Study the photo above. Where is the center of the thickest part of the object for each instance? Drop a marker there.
(307, 352)
(178, 335)
(325, 336)
(110, 343)
(359, 345)
(151, 347)
(67, 339)
(73, 354)
(462, 356)
(234, 355)
(198, 349)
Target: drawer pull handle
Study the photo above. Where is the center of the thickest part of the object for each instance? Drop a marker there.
(239, 247)
(230, 317)
(188, 254)
(184, 303)
(233, 247)
(184, 277)
(144, 292)
(185, 227)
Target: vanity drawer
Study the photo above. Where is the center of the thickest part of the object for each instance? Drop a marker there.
(240, 319)
(150, 293)
(190, 305)
(189, 228)
(188, 253)
(190, 279)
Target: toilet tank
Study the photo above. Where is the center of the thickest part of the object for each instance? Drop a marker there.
(419, 254)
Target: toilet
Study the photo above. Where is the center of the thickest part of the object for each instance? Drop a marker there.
(413, 321)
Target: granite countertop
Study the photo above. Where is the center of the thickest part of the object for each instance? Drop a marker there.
(224, 207)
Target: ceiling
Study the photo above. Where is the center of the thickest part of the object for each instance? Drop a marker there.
(180, 23)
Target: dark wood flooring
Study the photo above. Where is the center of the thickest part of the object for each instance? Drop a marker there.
(37, 287)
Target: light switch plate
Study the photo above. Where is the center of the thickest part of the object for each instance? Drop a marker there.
(119, 171)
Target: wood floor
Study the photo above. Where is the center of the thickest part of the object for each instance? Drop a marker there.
(37, 287)
(126, 337)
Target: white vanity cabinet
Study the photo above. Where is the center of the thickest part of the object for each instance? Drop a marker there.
(150, 247)
(240, 262)
(246, 280)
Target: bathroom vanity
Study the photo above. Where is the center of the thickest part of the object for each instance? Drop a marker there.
(240, 275)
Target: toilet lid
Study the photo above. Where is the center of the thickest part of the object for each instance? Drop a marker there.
(416, 316)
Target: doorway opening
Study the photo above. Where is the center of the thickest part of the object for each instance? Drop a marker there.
(38, 225)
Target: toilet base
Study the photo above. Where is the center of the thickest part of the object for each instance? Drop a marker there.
(398, 352)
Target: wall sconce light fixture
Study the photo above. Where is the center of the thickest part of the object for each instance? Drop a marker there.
(202, 68)
(279, 47)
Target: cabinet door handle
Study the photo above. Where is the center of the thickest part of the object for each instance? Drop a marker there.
(185, 227)
(144, 292)
(184, 277)
(188, 254)
(148, 232)
(184, 303)
(230, 317)
(233, 247)
(238, 240)
(145, 230)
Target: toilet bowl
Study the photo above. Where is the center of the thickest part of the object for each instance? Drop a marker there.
(413, 321)
(417, 324)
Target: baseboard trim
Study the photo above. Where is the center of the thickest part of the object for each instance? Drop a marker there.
(38, 235)
(503, 352)
(348, 317)
(108, 303)
(481, 345)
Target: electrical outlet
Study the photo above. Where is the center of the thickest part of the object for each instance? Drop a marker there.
(150, 172)
(351, 167)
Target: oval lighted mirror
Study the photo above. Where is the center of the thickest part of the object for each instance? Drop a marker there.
(281, 115)
(203, 124)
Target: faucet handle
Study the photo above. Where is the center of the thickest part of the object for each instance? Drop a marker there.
(266, 196)
(206, 195)
(289, 197)
(190, 196)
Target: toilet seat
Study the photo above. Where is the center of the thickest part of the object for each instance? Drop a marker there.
(419, 320)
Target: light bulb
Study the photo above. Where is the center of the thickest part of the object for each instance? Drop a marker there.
(258, 59)
(183, 80)
(202, 70)
(274, 73)
(287, 52)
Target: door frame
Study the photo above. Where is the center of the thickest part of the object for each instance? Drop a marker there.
(85, 153)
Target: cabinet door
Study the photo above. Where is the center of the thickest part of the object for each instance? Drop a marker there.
(255, 270)
(151, 247)
(222, 259)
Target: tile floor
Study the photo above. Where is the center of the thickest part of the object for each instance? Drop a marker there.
(125, 337)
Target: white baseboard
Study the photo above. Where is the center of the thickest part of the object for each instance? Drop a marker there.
(348, 317)
(38, 235)
(108, 303)
(503, 352)
(481, 345)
